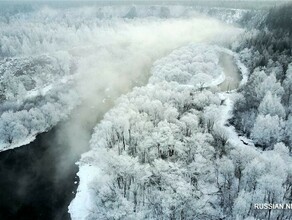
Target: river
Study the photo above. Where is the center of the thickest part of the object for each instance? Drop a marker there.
(231, 71)
(38, 181)
(30, 186)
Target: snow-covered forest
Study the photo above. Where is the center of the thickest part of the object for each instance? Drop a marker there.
(40, 68)
(184, 110)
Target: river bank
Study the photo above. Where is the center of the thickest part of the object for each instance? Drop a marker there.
(31, 187)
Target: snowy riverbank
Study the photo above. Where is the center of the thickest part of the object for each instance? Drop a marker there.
(92, 173)
(42, 84)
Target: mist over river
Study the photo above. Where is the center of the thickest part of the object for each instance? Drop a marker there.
(67, 73)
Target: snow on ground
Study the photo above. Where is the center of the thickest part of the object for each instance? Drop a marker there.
(244, 71)
(81, 205)
(229, 98)
(196, 65)
(225, 115)
(35, 94)
(83, 202)
(27, 140)
(44, 90)
(100, 46)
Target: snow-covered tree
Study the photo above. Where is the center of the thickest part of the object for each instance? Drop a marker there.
(267, 130)
(271, 104)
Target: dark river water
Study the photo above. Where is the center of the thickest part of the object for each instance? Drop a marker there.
(31, 186)
(38, 181)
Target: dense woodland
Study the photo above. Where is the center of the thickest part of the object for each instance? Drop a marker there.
(264, 110)
(35, 94)
(156, 148)
(178, 147)
(166, 152)
(40, 66)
